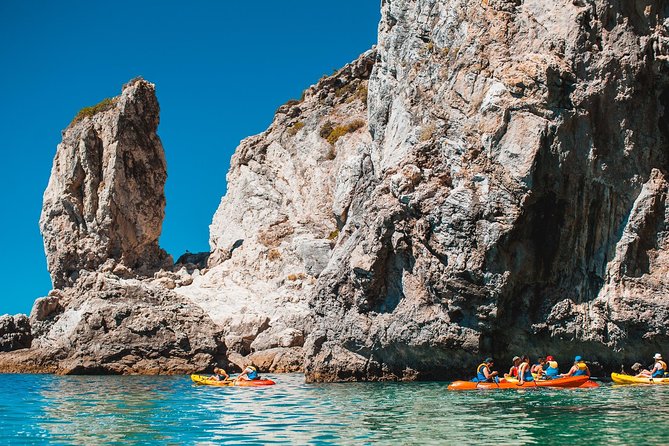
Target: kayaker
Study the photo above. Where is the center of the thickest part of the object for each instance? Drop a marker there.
(220, 375)
(538, 368)
(484, 372)
(513, 371)
(551, 368)
(580, 368)
(248, 374)
(524, 370)
(657, 371)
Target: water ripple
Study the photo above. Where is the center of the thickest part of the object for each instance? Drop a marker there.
(171, 410)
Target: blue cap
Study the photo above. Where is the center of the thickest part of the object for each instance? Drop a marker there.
(577, 359)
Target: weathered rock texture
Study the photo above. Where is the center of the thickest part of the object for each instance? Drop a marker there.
(104, 205)
(520, 198)
(491, 179)
(290, 190)
(111, 310)
(14, 332)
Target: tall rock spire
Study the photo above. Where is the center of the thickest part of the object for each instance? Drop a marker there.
(105, 202)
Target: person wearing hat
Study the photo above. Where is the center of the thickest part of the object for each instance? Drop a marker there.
(513, 371)
(658, 370)
(484, 372)
(579, 368)
(551, 368)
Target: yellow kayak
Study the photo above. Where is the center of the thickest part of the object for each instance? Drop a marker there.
(619, 378)
(208, 381)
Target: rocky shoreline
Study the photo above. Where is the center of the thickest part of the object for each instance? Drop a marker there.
(490, 179)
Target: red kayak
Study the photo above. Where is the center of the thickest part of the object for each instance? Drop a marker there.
(568, 382)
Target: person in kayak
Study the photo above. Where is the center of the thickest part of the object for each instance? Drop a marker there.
(513, 371)
(538, 368)
(551, 368)
(220, 375)
(249, 374)
(657, 371)
(524, 371)
(579, 368)
(484, 372)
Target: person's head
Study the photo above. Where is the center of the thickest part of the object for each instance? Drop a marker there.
(657, 357)
(489, 361)
(578, 359)
(636, 367)
(550, 358)
(516, 360)
(217, 370)
(542, 360)
(525, 358)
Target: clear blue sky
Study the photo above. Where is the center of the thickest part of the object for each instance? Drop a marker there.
(221, 69)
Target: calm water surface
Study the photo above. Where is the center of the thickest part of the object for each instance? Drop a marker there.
(171, 410)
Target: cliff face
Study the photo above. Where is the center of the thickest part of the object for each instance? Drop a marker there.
(104, 205)
(520, 153)
(289, 192)
(111, 310)
(491, 179)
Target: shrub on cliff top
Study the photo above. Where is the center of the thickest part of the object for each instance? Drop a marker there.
(103, 105)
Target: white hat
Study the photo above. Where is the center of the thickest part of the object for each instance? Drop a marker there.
(657, 356)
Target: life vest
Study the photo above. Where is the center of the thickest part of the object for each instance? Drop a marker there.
(514, 371)
(527, 374)
(660, 372)
(251, 372)
(480, 375)
(582, 369)
(552, 369)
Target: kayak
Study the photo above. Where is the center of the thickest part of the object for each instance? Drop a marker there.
(589, 384)
(619, 378)
(568, 382)
(208, 381)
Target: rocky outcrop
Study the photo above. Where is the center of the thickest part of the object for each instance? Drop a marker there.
(112, 309)
(519, 203)
(290, 190)
(492, 179)
(104, 205)
(14, 332)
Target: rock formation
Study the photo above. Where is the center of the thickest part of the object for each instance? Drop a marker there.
(289, 192)
(492, 178)
(520, 201)
(105, 201)
(112, 309)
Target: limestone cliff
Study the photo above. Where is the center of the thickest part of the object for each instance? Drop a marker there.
(520, 199)
(105, 201)
(111, 310)
(289, 192)
(492, 178)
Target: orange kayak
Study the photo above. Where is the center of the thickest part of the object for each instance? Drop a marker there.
(206, 380)
(571, 381)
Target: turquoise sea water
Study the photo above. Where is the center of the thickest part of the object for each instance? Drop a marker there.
(87, 410)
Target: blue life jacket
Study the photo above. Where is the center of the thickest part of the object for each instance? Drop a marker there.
(551, 372)
(480, 376)
(527, 375)
(253, 374)
(659, 373)
(582, 369)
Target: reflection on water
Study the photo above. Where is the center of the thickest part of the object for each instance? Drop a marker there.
(171, 410)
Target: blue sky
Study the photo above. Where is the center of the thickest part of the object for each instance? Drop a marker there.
(220, 68)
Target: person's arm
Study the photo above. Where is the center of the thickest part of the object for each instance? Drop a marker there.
(227, 377)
